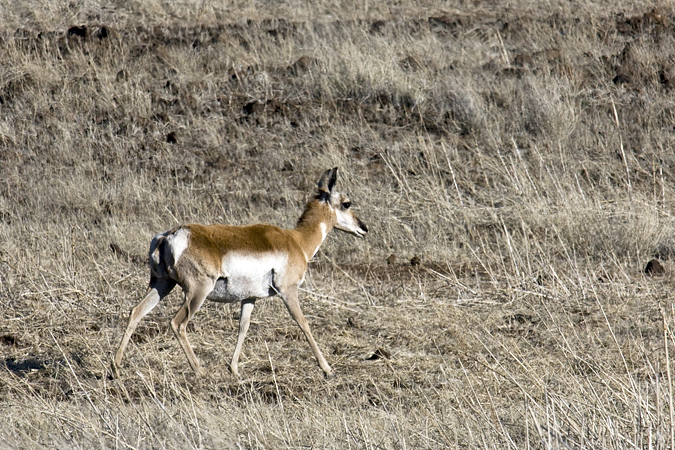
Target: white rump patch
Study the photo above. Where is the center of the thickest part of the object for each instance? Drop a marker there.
(178, 242)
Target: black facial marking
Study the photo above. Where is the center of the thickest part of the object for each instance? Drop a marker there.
(323, 196)
(363, 226)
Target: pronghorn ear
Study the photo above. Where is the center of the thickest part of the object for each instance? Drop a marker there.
(332, 179)
(326, 184)
(328, 179)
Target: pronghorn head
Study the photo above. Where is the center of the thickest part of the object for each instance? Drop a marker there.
(340, 205)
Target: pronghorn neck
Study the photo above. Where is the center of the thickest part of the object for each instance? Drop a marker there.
(315, 223)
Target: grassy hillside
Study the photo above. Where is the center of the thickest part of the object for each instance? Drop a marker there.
(522, 153)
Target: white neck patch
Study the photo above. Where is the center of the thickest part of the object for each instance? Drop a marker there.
(324, 233)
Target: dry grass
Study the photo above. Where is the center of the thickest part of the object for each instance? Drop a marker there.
(523, 153)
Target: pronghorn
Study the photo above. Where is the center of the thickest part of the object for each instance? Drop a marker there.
(241, 264)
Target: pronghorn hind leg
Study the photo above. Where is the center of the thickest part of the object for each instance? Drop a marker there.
(244, 322)
(195, 294)
(157, 290)
(290, 298)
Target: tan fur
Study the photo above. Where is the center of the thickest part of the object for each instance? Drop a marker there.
(242, 264)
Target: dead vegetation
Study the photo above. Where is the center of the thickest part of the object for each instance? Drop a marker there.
(515, 161)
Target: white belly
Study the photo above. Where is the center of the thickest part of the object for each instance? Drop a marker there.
(248, 276)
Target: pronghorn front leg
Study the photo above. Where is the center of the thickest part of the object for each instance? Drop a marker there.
(244, 322)
(290, 298)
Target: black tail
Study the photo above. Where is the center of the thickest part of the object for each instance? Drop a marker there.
(160, 256)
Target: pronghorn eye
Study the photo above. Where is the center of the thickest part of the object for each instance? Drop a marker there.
(346, 205)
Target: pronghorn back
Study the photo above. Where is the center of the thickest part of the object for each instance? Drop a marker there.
(220, 251)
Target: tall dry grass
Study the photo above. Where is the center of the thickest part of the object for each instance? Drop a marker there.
(522, 152)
